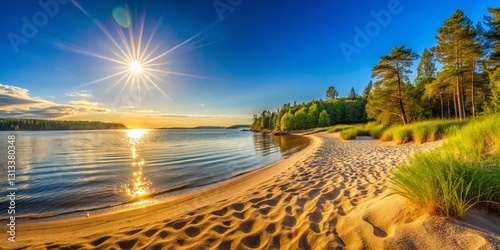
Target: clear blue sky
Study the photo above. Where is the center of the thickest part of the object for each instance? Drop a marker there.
(260, 55)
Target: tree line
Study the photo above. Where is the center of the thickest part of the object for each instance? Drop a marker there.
(466, 85)
(42, 124)
(317, 113)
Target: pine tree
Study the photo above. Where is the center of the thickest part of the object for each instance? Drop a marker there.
(426, 73)
(455, 39)
(368, 89)
(493, 62)
(390, 90)
(331, 93)
(352, 94)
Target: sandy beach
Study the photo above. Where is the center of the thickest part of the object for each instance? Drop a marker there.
(331, 195)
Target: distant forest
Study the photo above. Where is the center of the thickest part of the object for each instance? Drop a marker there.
(466, 85)
(40, 124)
(314, 114)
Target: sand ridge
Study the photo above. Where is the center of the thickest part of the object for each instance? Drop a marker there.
(330, 196)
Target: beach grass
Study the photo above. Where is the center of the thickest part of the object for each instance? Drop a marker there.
(463, 173)
(319, 130)
(339, 128)
(387, 135)
(402, 134)
(348, 134)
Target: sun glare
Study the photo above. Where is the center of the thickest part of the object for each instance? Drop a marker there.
(140, 63)
(136, 67)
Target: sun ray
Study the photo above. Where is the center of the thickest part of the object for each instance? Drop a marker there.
(103, 78)
(108, 34)
(140, 62)
(116, 83)
(159, 89)
(183, 74)
(172, 49)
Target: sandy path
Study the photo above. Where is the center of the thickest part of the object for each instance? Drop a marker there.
(330, 196)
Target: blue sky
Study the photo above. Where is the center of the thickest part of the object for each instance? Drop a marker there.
(259, 55)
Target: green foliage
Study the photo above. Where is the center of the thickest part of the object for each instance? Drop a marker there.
(352, 94)
(312, 114)
(348, 134)
(331, 93)
(368, 89)
(392, 90)
(41, 124)
(324, 119)
(301, 119)
(287, 122)
(461, 174)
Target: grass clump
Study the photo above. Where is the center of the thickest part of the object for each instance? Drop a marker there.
(463, 173)
(375, 130)
(348, 134)
(387, 135)
(421, 132)
(402, 134)
(339, 128)
(319, 130)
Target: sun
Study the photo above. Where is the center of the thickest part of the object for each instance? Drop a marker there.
(140, 63)
(136, 67)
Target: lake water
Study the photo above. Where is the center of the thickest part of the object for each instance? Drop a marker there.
(60, 172)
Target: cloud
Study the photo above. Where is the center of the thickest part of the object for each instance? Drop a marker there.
(17, 102)
(84, 103)
(202, 105)
(12, 95)
(81, 94)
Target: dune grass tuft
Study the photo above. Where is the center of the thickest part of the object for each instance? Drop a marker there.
(319, 130)
(463, 173)
(402, 135)
(387, 134)
(348, 134)
(339, 128)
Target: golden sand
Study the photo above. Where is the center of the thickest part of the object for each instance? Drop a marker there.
(333, 194)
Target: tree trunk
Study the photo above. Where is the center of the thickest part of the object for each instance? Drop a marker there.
(442, 111)
(449, 109)
(462, 96)
(455, 103)
(459, 106)
(472, 89)
(401, 106)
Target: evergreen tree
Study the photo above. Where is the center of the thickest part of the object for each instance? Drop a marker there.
(455, 39)
(331, 93)
(493, 62)
(352, 94)
(426, 74)
(390, 91)
(368, 89)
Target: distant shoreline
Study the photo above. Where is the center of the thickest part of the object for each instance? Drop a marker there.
(208, 127)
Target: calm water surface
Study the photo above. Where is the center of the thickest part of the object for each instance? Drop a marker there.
(61, 172)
